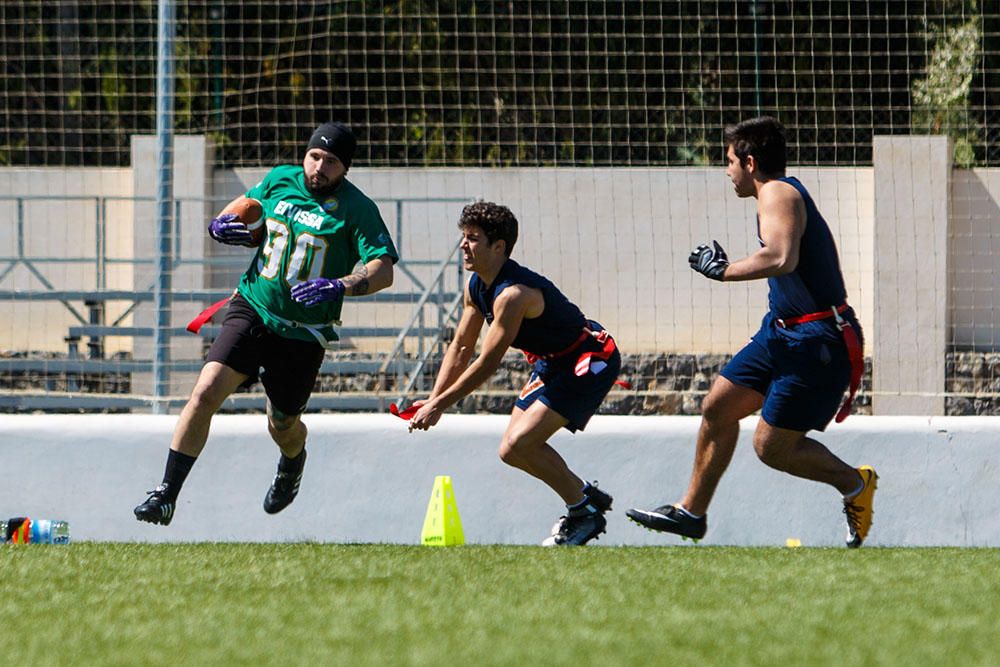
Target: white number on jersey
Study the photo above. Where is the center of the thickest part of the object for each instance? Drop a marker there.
(307, 257)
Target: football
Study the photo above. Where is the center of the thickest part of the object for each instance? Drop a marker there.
(251, 214)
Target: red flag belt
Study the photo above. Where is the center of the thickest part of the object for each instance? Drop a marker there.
(587, 333)
(195, 325)
(608, 348)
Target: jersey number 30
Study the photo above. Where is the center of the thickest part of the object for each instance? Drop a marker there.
(307, 257)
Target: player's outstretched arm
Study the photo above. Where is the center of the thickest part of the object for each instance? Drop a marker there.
(508, 312)
(459, 352)
(456, 359)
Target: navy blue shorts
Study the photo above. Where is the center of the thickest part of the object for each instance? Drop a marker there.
(802, 378)
(574, 397)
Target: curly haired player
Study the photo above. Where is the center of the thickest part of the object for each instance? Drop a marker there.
(575, 365)
(325, 240)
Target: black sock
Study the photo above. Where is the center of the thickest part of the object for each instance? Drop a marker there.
(178, 467)
(295, 465)
(580, 505)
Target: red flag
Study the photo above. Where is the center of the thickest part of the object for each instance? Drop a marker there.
(405, 414)
(194, 326)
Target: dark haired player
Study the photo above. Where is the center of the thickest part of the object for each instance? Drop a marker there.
(575, 365)
(325, 240)
(796, 367)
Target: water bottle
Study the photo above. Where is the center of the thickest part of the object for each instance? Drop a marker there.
(22, 530)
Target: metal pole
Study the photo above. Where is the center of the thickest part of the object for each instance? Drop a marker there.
(216, 14)
(20, 228)
(102, 267)
(164, 196)
(755, 10)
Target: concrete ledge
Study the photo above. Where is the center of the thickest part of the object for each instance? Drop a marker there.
(368, 480)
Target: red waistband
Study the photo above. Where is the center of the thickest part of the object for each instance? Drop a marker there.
(582, 367)
(785, 322)
(584, 335)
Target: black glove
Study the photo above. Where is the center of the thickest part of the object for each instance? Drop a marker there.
(711, 263)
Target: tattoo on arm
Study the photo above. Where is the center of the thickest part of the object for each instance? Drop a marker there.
(358, 281)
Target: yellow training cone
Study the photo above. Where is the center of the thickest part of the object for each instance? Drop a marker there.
(442, 525)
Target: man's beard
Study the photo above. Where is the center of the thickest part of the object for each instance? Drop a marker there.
(323, 189)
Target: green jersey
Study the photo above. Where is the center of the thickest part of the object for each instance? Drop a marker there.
(309, 237)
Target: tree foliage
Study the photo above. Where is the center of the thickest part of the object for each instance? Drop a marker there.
(498, 83)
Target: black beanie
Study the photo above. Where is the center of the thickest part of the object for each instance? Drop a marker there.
(336, 138)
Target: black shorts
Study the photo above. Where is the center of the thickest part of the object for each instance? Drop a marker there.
(247, 345)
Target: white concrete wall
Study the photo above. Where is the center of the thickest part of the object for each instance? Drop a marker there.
(617, 240)
(627, 266)
(974, 258)
(62, 229)
(624, 214)
(368, 480)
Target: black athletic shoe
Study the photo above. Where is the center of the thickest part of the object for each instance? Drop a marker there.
(576, 530)
(599, 500)
(283, 489)
(158, 508)
(669, 519)
(582, 524)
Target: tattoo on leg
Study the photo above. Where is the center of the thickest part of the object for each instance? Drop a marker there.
(276, 415)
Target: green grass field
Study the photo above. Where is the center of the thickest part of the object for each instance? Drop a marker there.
(93, 603)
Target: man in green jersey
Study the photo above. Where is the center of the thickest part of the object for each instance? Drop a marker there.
(324, 240)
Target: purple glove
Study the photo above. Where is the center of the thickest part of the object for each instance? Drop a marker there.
(229, 230)
(318, 290)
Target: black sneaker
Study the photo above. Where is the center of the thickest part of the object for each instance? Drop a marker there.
(158, 508)
(584, 523)
(283, 489)
(669, 519)
(599, 500)
(576, 530)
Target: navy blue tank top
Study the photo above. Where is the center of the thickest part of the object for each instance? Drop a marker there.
(560, 323)
(816, 283)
